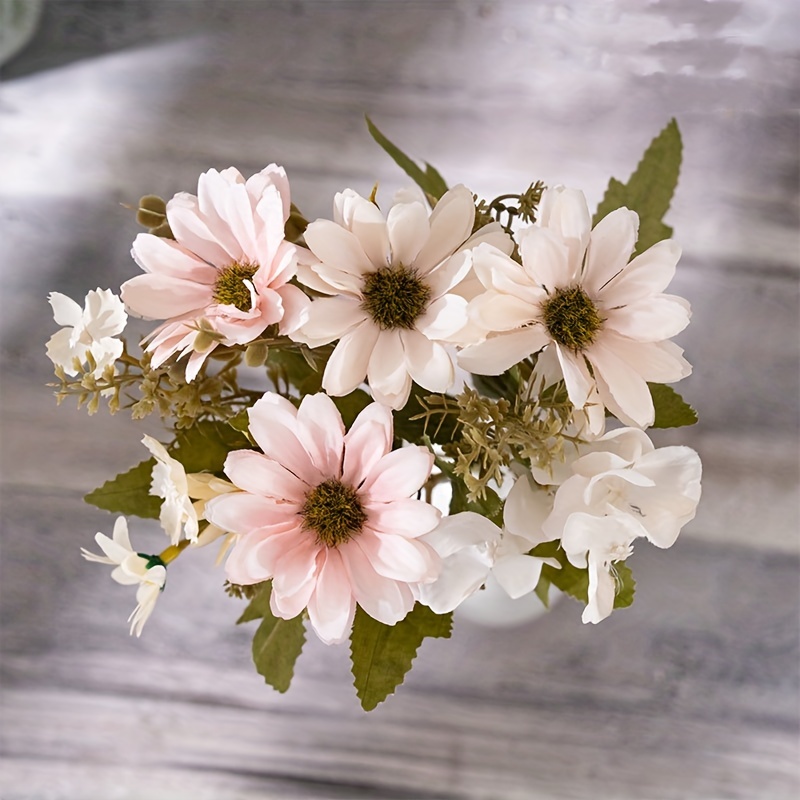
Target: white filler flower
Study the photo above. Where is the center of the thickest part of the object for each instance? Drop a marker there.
(393, 309)
(90, 329)
(576, 292)
(131, 569)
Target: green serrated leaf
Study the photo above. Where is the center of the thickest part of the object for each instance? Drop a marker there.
(429, 179)
(205, 446)
(382, 654)
(626, 585)
(277, 643)
(672, 411)
(258, 607)
(569, 579)
(649, 190)
(128, 493)
(276, 647)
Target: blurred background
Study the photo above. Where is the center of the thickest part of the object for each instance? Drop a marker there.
(691, 693)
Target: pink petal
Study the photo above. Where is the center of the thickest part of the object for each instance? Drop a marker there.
(191, 230)
(382, 598)
(260, 475)
(296, 305)
(156, 296)
(399, 558)
(332, 607)
(157, 255)
(442, 279)
(240, 512)
(365, 220)
(252, 559)
(565, 212)
(321, 432)
(273, 425)
(444, 318)
(407, 517)
(367, 441)
(398, 475)
(295, 576)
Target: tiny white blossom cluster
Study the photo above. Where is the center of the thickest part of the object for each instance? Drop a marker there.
(423, 343)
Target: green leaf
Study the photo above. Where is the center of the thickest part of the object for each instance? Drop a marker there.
(672, 411)
(429, 179)
(277, 643)
(649, 190)
(128, 493)
(626, 585)
(382, 654)
(575, 582)
(351, 405)
(241, 422)
(542, 591)
(569, 579)
(205, 446)
(258, 607)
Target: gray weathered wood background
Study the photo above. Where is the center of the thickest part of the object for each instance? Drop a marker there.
(692, 693)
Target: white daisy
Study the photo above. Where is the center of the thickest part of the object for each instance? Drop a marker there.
(392, 309)
(91, 329)
(131, 569)
(607, 319)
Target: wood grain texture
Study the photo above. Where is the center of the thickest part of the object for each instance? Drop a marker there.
(693, 693)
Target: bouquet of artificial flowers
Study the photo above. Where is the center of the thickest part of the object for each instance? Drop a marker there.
(373, 414)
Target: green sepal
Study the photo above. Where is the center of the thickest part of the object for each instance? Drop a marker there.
(382, 654)
(649, 190)
(429, 179)
(241, 422)
(277, 643)
(672, 411)
(128, 493)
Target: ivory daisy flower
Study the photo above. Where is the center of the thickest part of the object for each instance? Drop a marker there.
(91, 329)
(607, 319)
(131, 569)
(183, 496)
(225, 277)
(328, 516)
(392, 310)
(621, 488)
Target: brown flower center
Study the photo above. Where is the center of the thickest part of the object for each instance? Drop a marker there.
(394, 297)
(334, 512)
(230, 288)
(572, 318)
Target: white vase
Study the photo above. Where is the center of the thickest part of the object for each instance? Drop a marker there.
(493, 608)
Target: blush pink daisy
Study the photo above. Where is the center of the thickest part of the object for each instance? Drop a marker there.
(223, 279)
(328, 516)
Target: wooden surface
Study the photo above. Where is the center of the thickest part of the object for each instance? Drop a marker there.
(691, 694)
